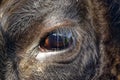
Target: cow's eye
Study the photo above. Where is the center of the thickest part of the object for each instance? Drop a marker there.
(62, 43)
(57, 40)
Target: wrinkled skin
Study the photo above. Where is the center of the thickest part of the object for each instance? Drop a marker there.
(95, 24)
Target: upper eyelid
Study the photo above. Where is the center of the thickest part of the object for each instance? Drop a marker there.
(65, 22)
(51, 27)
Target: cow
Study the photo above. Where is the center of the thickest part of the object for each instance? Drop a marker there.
(59, 40)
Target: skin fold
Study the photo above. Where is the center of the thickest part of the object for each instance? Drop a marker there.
(93, 24)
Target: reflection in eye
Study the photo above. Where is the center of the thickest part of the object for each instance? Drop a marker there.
(57, 40)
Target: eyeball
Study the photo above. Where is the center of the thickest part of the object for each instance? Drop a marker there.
(57, 40)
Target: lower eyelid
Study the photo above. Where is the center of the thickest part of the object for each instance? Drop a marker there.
(42, 56)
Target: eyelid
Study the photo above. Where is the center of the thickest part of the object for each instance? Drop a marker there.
(44, 55)
(65, 22)
(51, 27)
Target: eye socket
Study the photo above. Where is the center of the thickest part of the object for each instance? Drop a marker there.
(57, 40)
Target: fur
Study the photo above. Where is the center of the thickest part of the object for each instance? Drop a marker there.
(95, 24)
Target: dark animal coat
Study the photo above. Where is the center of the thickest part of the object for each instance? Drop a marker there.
(96, 28)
